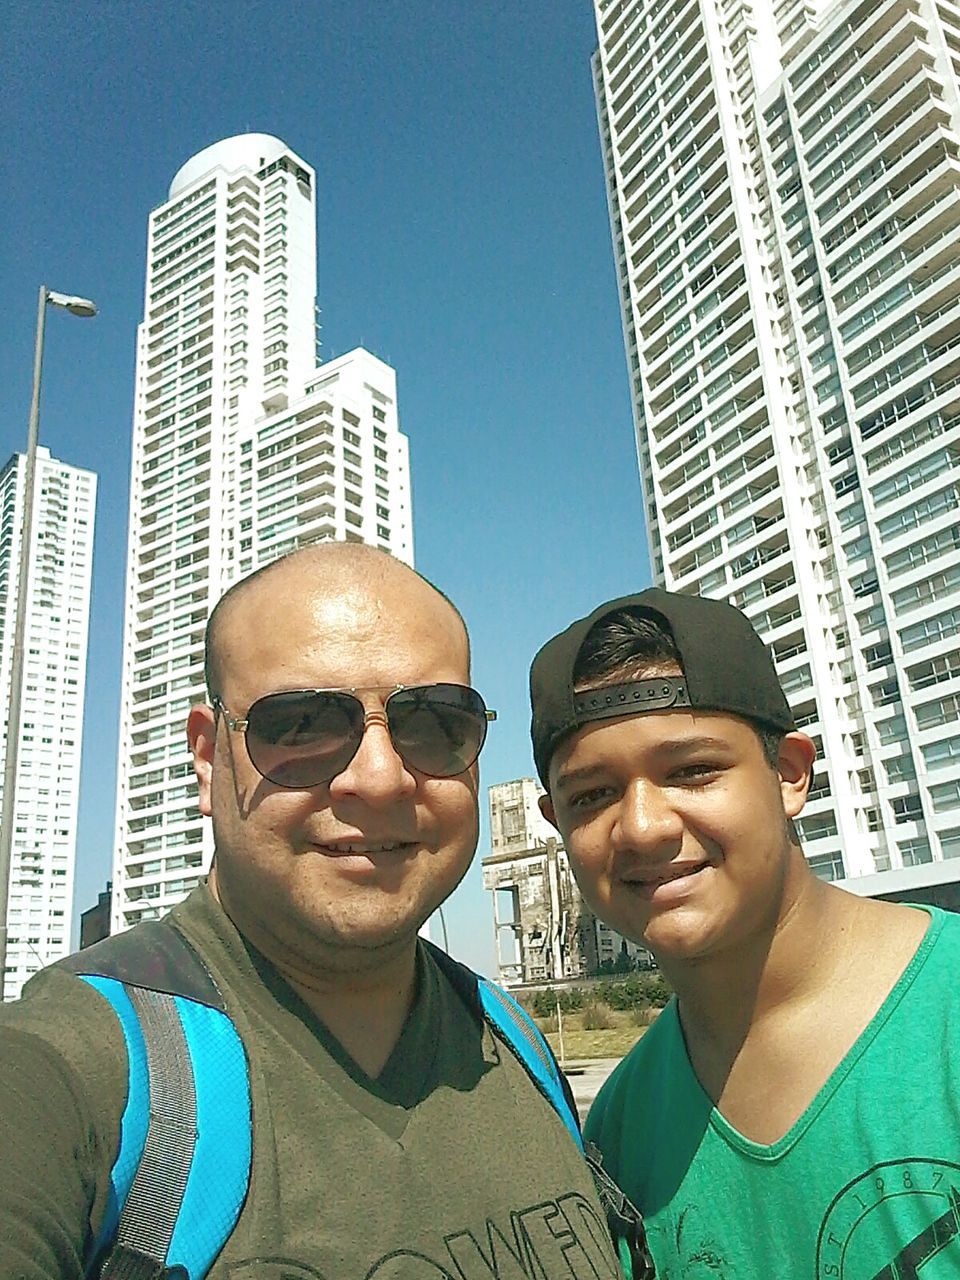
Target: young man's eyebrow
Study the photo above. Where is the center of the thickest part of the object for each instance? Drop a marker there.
(681, 746)
(672, 748)
(568, 778)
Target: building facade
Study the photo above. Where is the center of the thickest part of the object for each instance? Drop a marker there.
(95, 921)
(43, 853)
(545, 932)
(784, 190)
(244, 447)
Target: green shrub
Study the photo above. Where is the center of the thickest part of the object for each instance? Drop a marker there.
(543, 1003)
(597, 1017)
(658, 990)
(636, 991)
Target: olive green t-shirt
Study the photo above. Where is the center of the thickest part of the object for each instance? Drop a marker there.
(449, 1164)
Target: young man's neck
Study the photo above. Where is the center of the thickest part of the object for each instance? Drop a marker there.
(786, 961)
(766, 1025)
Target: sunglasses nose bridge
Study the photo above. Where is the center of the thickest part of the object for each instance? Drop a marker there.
(376, 769)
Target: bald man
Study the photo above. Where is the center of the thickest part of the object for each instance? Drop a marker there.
(393, 1134)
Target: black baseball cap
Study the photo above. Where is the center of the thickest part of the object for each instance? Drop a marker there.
(725, 664)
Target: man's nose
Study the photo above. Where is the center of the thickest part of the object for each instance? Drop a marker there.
(376, 773)
(647, 820)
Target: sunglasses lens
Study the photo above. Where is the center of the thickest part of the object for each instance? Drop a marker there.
(303, 738)
(438, 729)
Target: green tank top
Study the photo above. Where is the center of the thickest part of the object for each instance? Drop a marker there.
(864, 1186)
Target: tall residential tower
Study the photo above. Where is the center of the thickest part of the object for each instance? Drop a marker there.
(40, 905)
(243, 448)
(784, 189)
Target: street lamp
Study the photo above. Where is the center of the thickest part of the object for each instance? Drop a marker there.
(77, 307)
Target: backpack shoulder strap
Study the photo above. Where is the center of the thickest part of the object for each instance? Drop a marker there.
(516, 1029)
(526, 1040)
(183, 1166)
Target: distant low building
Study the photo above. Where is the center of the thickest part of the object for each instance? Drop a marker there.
(95, 921)
(545, 931)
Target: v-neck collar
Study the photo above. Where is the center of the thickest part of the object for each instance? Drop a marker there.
(775, 1150)
(408, 1075)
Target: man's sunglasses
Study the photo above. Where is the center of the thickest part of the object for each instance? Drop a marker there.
(302, 737)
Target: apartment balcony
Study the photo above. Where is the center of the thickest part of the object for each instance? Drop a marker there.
(939, 361)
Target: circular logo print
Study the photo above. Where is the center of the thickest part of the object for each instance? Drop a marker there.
(898, 1221)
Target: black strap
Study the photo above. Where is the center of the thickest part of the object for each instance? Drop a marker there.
(623, 1217)
(154, 955)
(150, 1214)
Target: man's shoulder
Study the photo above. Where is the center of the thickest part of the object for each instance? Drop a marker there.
(61, 1028)
(464, 980)
(154, 955)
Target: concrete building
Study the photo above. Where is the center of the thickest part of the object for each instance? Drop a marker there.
(544, 930)
(784, 190)
(244, 447)
(43, 853)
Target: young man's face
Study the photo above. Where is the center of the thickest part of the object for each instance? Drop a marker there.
(676, 826)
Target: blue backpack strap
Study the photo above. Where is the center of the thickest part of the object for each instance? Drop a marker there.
(183, 1166)
(136, 1113)
(515, 1028)
(521, 1033)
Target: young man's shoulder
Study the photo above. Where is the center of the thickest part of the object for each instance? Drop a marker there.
(634, 1081)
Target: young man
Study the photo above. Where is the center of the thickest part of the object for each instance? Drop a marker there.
(393, 1136)
(795, 1111)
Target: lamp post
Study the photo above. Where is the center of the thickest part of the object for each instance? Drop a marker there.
(77, 307)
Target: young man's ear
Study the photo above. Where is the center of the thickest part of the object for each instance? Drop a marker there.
(795, 766)
(546, 808)
(202, 736)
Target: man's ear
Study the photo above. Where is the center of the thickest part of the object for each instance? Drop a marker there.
(202, 736)
(547, 809)
(795, 767)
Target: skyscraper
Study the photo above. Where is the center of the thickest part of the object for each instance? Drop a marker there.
(784, 190)
(243, 448)
(43, 853)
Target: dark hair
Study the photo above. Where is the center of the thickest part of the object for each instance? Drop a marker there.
(630, 644)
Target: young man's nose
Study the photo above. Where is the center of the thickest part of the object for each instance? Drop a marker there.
(647, 820)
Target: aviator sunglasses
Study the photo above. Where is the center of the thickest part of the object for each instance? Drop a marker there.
(302, 737)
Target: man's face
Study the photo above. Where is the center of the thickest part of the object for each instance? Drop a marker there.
(676, 826)
(355, 865)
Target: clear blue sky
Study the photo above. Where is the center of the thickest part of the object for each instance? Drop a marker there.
(463, 237)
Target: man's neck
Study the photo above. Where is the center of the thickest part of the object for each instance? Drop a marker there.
(366, 1011)
(362, 995)
(783, 961)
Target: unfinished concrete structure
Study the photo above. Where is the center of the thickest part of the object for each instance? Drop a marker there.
(545, 931)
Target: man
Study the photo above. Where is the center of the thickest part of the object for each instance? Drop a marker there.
(795, 1111)
(393, 1135)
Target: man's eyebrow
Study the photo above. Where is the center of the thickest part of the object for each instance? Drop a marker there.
(570, 777)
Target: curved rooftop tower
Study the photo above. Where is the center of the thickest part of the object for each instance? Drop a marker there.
(251, 151)
(243, 448)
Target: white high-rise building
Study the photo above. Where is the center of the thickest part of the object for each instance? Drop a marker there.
(43, 853)
(243, 448)
(784, 189)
